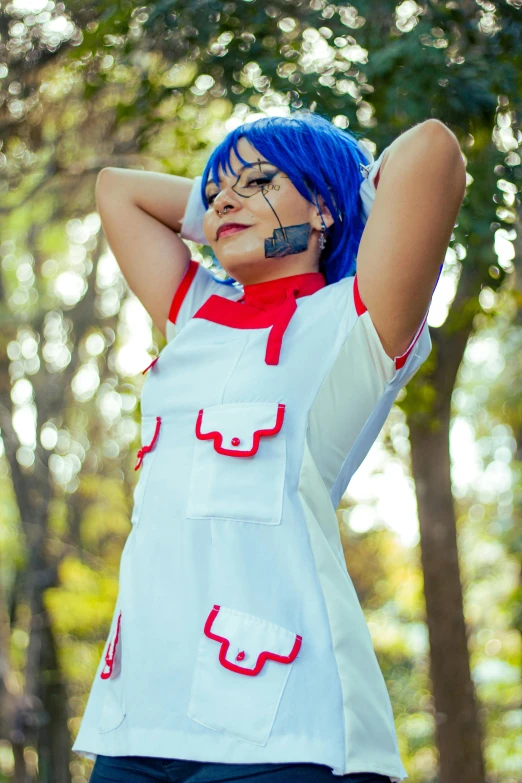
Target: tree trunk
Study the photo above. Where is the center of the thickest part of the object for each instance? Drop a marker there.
(458, 730)
(456, 720)
(54, 740)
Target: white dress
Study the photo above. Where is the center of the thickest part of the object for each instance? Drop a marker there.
(237, 635)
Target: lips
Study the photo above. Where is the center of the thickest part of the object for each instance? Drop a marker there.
(229, 228)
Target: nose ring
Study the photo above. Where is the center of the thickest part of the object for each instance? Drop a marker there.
(224, 210)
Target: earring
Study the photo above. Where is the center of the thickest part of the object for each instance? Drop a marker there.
(322, 238)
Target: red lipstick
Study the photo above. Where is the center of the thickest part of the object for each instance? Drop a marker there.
(229, 228)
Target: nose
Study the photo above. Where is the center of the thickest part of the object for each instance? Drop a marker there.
(226, 198)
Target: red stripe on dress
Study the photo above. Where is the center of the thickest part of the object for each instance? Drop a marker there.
(181, 291)
(275, 338)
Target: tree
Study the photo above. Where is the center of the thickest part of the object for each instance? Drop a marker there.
(118, 85)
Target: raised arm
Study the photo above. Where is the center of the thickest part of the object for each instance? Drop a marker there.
(421, 185)
(140, 213)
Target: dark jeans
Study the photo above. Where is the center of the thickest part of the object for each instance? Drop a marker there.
(142, 769)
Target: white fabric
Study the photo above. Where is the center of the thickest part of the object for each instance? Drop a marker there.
(272, 559)
(192, 222)
(367, 190)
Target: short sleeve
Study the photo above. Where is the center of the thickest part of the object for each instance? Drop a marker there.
(357, 324)
(195, 288)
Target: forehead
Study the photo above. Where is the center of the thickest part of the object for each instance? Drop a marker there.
(247, 152)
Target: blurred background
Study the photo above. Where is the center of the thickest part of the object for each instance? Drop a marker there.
(431, 523)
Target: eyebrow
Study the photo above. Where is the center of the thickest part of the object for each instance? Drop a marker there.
(210, 181)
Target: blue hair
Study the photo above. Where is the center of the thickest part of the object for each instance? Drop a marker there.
(327, 164)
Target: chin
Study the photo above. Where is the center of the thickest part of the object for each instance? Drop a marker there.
(240, 266)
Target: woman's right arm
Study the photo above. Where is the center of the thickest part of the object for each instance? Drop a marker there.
(141, 213)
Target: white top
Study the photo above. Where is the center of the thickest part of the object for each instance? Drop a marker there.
(237, 635)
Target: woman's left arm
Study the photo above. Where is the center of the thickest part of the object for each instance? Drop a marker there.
(420, 187)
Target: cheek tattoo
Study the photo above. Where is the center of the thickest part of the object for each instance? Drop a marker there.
(285, 240)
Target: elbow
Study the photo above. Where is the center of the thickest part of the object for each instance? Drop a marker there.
(102, 175)
(448, 148)
(440, 133)
(105, 182)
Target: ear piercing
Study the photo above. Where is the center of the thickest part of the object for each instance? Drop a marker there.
(322, 238)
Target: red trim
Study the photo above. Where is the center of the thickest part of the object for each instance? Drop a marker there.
(261, 304)
(181, 290)
(275, 338)
(217, 437)
(262, 657)
(144, 449)
(110, 655)
(401, 360)
(271, 293)
(235, 314)
(361, 308)
(270, 303)
(153, 362)
(243, 316)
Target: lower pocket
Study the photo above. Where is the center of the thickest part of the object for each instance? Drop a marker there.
(242, 666)
(113, 707)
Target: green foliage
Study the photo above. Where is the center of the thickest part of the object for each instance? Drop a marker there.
(125, 92)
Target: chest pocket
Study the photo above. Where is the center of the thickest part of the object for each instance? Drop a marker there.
(239, 463)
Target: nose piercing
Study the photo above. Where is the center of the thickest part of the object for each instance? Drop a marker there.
(224, 210)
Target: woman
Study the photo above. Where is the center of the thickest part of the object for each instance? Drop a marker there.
(238, 648)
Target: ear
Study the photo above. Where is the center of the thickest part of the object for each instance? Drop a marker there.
(315, 216)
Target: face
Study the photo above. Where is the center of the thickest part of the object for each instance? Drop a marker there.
(261, 199)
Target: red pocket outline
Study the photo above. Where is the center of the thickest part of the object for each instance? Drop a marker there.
(111, 653)
(263, 656)
(153, 362)
(144, 449)
(217, 437)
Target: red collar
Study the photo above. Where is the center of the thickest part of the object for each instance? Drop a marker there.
(272, 293)
(271, 303)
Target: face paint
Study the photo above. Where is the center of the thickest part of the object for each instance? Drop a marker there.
(285, 240)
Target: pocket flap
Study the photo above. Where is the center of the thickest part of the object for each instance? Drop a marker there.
(245, 637)
(234, 425)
